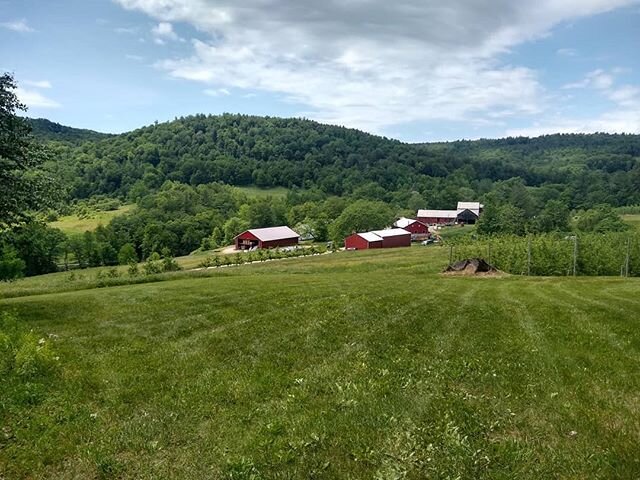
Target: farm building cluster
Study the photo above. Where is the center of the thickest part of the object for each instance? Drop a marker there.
(401, 234)
(467, 213)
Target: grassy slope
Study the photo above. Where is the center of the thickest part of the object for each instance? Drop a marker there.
(257, 192)
(72, 224)
(348, 365)
(633, 220)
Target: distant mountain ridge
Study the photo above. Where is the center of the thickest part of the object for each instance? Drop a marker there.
(582, 169)
(48, 131)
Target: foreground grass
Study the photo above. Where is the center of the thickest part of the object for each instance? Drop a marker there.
(349, 365)
(72, 224)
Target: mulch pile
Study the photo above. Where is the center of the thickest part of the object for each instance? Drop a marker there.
(472, 266)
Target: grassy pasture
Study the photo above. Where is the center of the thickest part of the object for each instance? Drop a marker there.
(633, 220)
(257, 192)
(347, 365)
(73, 224)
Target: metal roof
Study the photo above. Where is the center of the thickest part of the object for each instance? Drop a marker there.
(438, 213)
(404, 222)
(272, 233)
(370, 237)
(391, 232)
(469, 206)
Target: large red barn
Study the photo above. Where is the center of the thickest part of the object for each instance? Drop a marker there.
(271, 237)
(437, 217)
(362, 241)
(390, 238)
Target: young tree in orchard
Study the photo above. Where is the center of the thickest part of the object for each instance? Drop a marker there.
(24, 186)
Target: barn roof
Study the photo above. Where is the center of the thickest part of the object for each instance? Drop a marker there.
(404, 222)
(472, 206)
(272, 233)
(370, 237)
(391, 232)
(437, 213)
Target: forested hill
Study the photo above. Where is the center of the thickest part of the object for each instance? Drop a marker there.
(239, 150)
(48, 131)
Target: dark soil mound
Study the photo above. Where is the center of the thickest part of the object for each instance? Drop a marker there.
(471, 266)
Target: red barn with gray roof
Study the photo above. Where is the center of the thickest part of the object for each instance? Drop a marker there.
(271, 237)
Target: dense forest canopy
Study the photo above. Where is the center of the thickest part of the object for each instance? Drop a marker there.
(582, 170)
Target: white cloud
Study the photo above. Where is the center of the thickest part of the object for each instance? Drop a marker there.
(35, 99)
(17, 26)
(372, 64)
(623, 117)
(567, 52)
(126, 30)
(216, 92)
(38, 83)
(163, 32)
(135, 58)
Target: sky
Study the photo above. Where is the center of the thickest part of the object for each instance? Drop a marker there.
(415, 70)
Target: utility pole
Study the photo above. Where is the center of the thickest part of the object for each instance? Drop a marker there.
(529, 257)
(575, 255)
(626, 261)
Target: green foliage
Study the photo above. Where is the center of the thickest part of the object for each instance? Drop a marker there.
(11, 266)
(553, 254)
(361, 216)
(22, 352)
(168, 262)
(153, 265)
(600, 219)
(127, 254)
(37, 245)
(26, 186)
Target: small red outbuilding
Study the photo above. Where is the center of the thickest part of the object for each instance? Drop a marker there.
(271, 237)
(418, 230)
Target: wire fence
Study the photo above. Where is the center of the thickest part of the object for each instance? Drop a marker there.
(554, 255)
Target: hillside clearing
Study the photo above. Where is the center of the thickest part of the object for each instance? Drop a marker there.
(349, 365)
(73, 224)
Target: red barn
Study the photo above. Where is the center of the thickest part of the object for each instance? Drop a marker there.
(393, 237)
(271, 237)
(418, 230)
(437, 217)
(362, 241)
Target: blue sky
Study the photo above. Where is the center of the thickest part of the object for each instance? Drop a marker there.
(416, 70)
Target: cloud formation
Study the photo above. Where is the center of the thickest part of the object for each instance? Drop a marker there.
(35, 99)
(163, 32)
(622, 117)
(371, 64)
(17, 26)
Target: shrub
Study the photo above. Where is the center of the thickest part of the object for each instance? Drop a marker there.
(11, 266)
(22, 352)
(133, 270)
(153, 265)
(168, 262)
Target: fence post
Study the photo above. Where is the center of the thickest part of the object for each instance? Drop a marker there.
(626, 261)
(529, 257)
(575, 254)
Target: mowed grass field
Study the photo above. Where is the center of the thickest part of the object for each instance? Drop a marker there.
(346, 365)
(73, 224)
